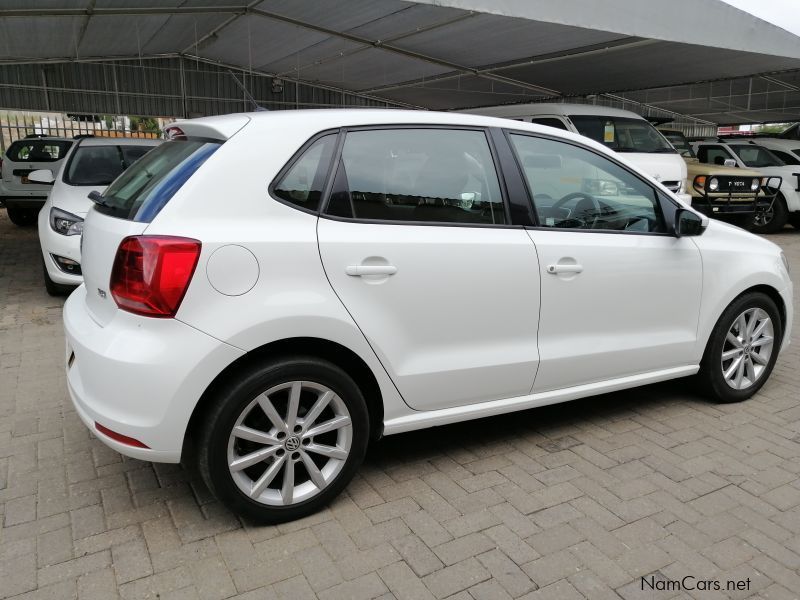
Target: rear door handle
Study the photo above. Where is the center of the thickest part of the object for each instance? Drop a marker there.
(556, 269)
(360, 270)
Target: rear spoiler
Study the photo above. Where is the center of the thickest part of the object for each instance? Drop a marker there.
(220, 128)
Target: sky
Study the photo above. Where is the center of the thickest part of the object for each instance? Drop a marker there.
(783, 13)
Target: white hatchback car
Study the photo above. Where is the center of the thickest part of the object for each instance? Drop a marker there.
(282, 287)
(90, 166)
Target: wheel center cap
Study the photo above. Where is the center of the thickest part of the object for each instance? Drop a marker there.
(292, 443)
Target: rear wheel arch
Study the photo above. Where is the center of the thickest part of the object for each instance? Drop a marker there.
(319, 348)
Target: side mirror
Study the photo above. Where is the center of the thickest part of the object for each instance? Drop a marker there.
(41, 176)
(687, 223)
(729, 162)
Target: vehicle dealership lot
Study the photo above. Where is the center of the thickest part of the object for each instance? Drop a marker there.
(577, 500)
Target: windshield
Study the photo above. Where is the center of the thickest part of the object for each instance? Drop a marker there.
(677, 139)
(622, 134)
(100, 165)
(756, 156)
(143, 190)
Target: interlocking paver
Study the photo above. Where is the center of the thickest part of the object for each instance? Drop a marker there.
(570, 501)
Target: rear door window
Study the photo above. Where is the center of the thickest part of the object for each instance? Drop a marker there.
(146, 187)
(38, 150)
(433, 175)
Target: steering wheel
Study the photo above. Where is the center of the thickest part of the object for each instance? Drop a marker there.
(595, 204)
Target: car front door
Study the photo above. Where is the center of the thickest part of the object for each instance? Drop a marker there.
(416, 243)
(620, 295)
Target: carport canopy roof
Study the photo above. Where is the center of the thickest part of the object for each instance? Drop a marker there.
(702, 58)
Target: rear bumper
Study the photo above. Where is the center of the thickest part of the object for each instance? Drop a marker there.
(139, 377)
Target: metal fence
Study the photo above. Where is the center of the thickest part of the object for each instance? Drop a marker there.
(16, 126)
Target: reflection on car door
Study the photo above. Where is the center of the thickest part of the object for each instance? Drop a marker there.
(416, 245)
(620, 296)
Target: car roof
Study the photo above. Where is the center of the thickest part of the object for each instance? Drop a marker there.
(780, 143)
(116, 141)
(317, 120)
(552, 108)
(37, 138)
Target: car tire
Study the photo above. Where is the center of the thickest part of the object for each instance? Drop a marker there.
(53, 288)
(22, 216)
(225, 458)
(794, 220)
(772, 221)
(746, 341)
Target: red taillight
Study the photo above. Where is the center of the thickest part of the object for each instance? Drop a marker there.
(152, 272)
(122, 439)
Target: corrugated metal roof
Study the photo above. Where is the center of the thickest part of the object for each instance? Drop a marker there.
(441, 54)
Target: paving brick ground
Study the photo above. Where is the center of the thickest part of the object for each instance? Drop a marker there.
(573, 501)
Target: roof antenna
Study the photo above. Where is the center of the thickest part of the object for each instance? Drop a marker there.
(248, 95)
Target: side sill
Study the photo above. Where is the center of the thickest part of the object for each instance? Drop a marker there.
(445, 416)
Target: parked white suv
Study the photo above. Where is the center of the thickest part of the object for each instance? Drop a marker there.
(379, 271)
(751, 154)
(23, 198)
(91, 165)
(619, 130)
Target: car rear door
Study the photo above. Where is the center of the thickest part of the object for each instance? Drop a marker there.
(416, 242)
(620, 296)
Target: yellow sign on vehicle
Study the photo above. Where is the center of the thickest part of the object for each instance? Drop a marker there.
(608, 133)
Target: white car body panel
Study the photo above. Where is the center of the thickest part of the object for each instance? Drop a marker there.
(445, 338)
(169, 363)
(632, 309)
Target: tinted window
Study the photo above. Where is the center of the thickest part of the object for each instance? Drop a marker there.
(713, 155)
(37, 150)
(130, 154)
(787, 158)
(678, 140)
(303, 182)
(622, 134)
(418, 175)
(93, 165)
(549, 122)
(756, 156)
(144, 189)
(575, 188)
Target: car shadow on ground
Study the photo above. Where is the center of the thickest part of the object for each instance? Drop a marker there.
(547, 424)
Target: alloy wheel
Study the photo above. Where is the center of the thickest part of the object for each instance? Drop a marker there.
(747, 348)
(289, 443)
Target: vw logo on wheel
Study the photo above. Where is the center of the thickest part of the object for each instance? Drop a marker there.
(292, 443)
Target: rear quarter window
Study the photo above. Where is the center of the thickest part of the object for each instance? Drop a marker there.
(149, 184)
(38, 150)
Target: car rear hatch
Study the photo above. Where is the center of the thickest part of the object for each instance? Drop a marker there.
(133, 200)
(26, 156)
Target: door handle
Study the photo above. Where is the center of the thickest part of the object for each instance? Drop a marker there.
(556, 269)
(361, 270)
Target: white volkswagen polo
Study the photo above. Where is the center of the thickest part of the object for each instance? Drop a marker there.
(282, 287)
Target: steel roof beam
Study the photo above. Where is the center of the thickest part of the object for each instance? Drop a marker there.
(464, 70)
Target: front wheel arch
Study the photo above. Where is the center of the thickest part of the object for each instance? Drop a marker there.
(706, 376)
(768, 290)
(333, 352)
